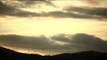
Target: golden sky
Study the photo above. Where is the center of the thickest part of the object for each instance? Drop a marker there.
(49, 18)
(51, 25)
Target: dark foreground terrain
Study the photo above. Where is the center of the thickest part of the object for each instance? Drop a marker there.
(6, 54)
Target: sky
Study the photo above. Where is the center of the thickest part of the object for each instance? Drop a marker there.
(49, 27)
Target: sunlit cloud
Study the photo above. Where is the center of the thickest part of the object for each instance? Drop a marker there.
(44, 45)
(39, 8)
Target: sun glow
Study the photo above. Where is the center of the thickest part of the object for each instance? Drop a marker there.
(52, 26)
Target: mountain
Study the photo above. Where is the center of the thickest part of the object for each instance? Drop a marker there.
(6, 54)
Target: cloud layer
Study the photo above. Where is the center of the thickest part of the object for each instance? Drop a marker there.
(61, 41)
(11, 10)
(69, 12)
(97, 12)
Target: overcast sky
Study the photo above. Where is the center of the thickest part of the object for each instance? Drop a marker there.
(53, 21)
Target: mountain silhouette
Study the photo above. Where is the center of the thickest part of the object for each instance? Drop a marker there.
(6, 54)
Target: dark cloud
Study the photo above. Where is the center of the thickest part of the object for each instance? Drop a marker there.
(87, 39)
(81, 38)
(78, 38)
(25, 42)
(74, 42)
(4, 9)
(12, 11)
(9, 10)
(26, 3)
(71, 12)
(100, 12)
(60, 37)
(82, 12)
(61, 14)
(93, 2)
(96, 2)
(36, 1)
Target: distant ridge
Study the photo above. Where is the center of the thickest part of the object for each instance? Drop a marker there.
(6, 54)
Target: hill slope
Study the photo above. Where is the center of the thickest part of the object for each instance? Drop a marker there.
(6, 54)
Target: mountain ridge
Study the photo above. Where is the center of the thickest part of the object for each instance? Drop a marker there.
(6, 54)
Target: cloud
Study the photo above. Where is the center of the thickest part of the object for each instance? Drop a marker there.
(4, 9)
(80, 38)
(83, 41)
(96, 2)
(24, 41)
(98, 11)
(12, 11)
(61, 14)
(60, 37)
(73, 42)
(8, 10)
(29, 2)
(41, 42)
(86, 39)
(93, 2)
(71, 12)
